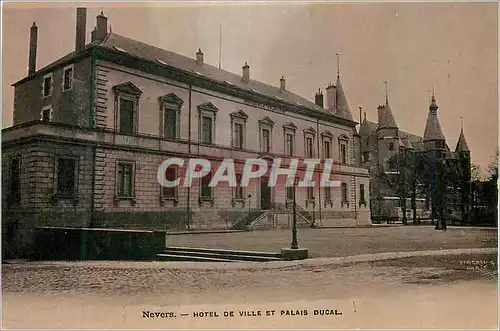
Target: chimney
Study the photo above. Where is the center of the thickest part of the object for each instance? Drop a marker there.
(81, 21)
(32, 53)
(246, 73)
(318, 98)
(102, 27)
(199, 56)
(282, 83)
(331, 97)
(93, 34)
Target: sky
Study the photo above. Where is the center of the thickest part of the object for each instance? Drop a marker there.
(416, 47)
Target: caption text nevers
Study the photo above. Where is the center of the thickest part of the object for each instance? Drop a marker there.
(243, 313)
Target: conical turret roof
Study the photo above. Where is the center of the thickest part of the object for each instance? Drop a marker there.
(342, 104)
(385, 118)
(462, 143)
(433, 128)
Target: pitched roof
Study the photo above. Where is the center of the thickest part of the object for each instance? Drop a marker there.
(385, 117)
(152, 53)
(433, 128)
(407, 143)
(462, 143)
(367, 127)
(342, 104)
(118, 43)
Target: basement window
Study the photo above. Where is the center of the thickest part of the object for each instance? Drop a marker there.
(277, 97)
(196, 72)
(119, 49)
(229, 83)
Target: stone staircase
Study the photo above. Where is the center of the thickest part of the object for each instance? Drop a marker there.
(246, 221)
(214, 255)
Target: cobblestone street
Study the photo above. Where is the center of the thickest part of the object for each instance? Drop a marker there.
(114, 294)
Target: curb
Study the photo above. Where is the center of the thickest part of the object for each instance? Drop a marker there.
(325, 262)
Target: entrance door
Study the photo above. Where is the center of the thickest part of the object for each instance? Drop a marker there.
(265, 194)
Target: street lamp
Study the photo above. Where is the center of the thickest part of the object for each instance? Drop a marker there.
(295, 244)
(313, 223)
(248, 197)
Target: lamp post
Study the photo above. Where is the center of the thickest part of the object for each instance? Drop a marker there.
(295, 244)
(248, 197)
(313, 223)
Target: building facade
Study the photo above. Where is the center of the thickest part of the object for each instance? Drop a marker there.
(384, 140)
(92, 128)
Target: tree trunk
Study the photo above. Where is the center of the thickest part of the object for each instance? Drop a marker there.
(403, 210)
(414, 205)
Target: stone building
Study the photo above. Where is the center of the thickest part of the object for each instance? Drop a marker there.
(91, 129)
(381, 141)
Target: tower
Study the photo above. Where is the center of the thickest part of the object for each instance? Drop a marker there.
(388, 141)
(463, 153)
(434, 140)
(435, 150)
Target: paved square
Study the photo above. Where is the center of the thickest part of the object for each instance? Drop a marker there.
(335, 242)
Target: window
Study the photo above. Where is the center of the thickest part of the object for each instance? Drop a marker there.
(362, 193)
(127, 97)
(289, 144)
(343, 153)
(170, 105)
(238, 125)
(366, 156)
(170, 124)
(47, 85)
(125, 181)
(344, 192)
(15, 180)
(326, 149)
(68, 78)
(206, 191)
(289, 192)
(266, 140)
(310, 193)
(238, 135)
(309, 147)
(391, 146)
(328, 194)
(207, 130)
(238, 190)
(170, 175)
(46, 114)
(266, 126)
(66, 176)
(126, 116)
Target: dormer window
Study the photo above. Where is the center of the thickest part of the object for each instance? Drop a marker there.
(161, 62)
(47, 85)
